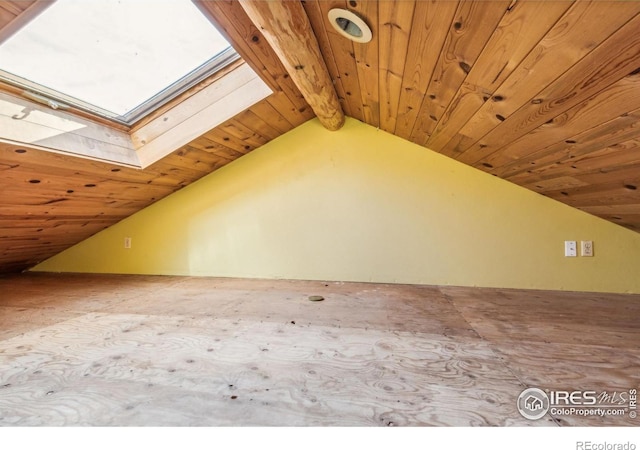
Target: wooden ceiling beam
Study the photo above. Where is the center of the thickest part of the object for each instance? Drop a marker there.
(286, 27)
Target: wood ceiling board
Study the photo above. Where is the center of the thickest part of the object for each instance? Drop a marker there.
(58, 231)
(15, 14)
(17, 154)
(366, 56)
(473, 26)
(606, 105)
(221, 136)
(618, 155)
(10, 9)
(619, 129)
(573, 37)
(514, 38)
(74, 175)
(7, 14)
(51, 183)
(279, 120)
(629, 221)
(609, 210)
(603, 189)
(14, 197)
(318, 22)
(215, 150)
(250, 120)
(343, 53)
(618, 56)
(568, 41)
(597, 179)
(559, 183)
(609, 194)
(249, 137)
(432, 21)
(394, 25)
(612, 176)
(295, 116)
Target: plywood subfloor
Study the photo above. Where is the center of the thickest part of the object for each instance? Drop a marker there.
(140, 350)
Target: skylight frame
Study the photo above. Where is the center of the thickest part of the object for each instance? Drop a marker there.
(121, 113)
(198, 102)
(63, 101)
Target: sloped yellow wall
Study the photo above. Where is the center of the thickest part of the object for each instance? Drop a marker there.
(362, 205)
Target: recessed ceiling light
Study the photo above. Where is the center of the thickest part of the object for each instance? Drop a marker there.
(349, 25)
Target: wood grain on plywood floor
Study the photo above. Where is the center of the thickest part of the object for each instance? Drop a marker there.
(142, 350)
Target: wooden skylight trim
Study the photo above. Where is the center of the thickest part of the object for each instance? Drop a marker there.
(30, 124)
(138, 64)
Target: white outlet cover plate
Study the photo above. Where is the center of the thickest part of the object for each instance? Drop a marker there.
(586, 248)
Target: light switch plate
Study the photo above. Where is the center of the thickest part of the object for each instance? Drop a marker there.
(570, 248)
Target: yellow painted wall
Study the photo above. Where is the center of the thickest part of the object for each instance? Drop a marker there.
(362, 205)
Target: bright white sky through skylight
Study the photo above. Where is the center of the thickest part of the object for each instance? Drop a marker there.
(115, 54)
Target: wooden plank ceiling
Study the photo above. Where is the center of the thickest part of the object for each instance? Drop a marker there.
(543, 94)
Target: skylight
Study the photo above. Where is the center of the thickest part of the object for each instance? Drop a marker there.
(120, 59)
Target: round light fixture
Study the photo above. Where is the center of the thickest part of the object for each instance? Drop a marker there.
(349, 25)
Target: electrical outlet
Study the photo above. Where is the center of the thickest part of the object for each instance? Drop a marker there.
(570, 248)
(586, 248)
(127, 242)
